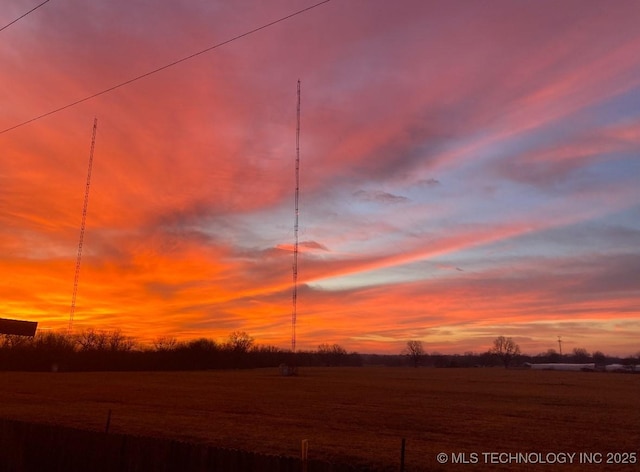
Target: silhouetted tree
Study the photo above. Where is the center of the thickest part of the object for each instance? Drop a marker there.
(50, 341)
(117, 341)
(553, 355)
(332, 354)
(201, 345)
(506, 349)
(114, 341)
(415, 352)
(92, 340)
(599, 357)
(239, 341)
(13, 341)
(580, 355)
(197, 354)
(550, 356)
(165, 343)
(96, 350)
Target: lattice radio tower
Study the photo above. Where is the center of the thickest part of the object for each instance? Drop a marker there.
(82, 226)
(294, 314)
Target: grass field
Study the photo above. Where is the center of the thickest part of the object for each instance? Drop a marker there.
(356, 415)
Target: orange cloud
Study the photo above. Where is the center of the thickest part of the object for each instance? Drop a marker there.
(499, 141)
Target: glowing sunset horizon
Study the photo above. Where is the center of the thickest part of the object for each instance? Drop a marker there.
(467, 171)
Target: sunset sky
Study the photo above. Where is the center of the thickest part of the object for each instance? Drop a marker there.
(468, 170)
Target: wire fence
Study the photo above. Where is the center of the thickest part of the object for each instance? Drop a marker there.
(31, 447)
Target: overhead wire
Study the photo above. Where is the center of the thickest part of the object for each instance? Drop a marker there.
(23, 15)
(167, 66)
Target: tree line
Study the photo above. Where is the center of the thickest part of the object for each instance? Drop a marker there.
(95, 350)
(505, 351)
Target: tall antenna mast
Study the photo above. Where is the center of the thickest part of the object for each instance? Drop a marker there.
(82, 225)
(560, 344)
(295, 229)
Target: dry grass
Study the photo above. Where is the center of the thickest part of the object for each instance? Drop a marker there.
(348, 414)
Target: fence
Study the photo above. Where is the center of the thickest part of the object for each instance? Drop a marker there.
(30, 447)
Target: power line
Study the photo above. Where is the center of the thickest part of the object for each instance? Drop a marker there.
(174, 63)
(23, 15)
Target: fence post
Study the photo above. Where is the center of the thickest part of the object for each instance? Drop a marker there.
(304, 454)
(402, 449)
(106, 427)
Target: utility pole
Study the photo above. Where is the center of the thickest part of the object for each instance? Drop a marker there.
(560, 344)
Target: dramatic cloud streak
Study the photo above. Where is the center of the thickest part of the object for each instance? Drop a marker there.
(467, 171)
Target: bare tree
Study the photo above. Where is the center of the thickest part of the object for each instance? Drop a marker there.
(92, 340)
(506, 349)
(201, 345)
(415, 352)
(117, 341)
(580, 355)
(239, 341)
(599, 357)
(332, 354)
(52, 341)
(551, 356)
(11, 341)
(165, 343)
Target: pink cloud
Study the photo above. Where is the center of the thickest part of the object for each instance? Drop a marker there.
(190, 213)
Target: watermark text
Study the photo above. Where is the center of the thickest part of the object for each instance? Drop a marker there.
(552, 458)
